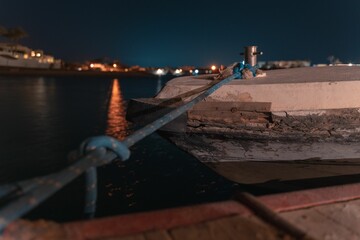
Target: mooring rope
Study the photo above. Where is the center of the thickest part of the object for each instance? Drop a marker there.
(96, 151)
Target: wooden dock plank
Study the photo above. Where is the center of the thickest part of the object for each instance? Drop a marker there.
(242, 228)
(157, 235)
(319, 224)
(325, 213)
(131, 237)
(346, 214)
(230, 228)
(124, 225)
(200, 232)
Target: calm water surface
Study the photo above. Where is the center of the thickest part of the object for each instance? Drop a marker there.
(42, 119)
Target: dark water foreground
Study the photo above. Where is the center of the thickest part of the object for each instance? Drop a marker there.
(42, 119)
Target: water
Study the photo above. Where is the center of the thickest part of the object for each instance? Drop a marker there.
(42, 119)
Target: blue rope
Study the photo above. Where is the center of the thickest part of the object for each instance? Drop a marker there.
(48, 185)
(90, 192)
(119, 148)
(96, 151)
(90, 144)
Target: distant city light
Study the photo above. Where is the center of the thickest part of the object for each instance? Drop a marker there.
(38, 54)
(126, 69)
(160, 72)
(100, 67)
(190, 71)
(114, 65)
(178, 71)
(213, 67)
(196, 71)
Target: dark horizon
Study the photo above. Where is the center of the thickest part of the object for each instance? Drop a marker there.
(176, 33)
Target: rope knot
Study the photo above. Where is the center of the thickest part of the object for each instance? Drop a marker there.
(109, 143)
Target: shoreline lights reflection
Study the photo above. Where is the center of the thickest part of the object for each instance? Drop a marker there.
(116, 122)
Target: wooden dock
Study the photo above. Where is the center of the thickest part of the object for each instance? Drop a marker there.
(323, 213)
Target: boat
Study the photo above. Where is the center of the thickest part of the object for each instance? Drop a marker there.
(19, 56)
(299, 123)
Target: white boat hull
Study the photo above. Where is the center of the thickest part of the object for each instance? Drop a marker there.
(272, 128)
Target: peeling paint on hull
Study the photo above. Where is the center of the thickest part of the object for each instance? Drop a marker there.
(289, 146)
(215, 148)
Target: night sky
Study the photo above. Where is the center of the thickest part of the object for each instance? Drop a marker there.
(188, 32)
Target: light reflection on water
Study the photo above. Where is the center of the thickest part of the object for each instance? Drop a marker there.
(159, 84)
(116, 123)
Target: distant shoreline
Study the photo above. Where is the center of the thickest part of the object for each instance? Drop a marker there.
(63, 72)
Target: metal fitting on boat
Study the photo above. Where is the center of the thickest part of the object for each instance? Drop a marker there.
(250, 55)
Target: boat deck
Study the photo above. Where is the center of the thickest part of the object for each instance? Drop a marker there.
(296, 89)
(283, 76)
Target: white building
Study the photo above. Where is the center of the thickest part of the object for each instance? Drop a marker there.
(15, 55)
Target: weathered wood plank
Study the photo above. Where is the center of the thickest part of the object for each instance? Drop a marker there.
(230, 112)
(319, 225)
(234, 106)
(131, 237)
(157, 235)
(227, 116)
(199, 232)
(234, 228)
(346, 214)
(222, 113)
(230, 228)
